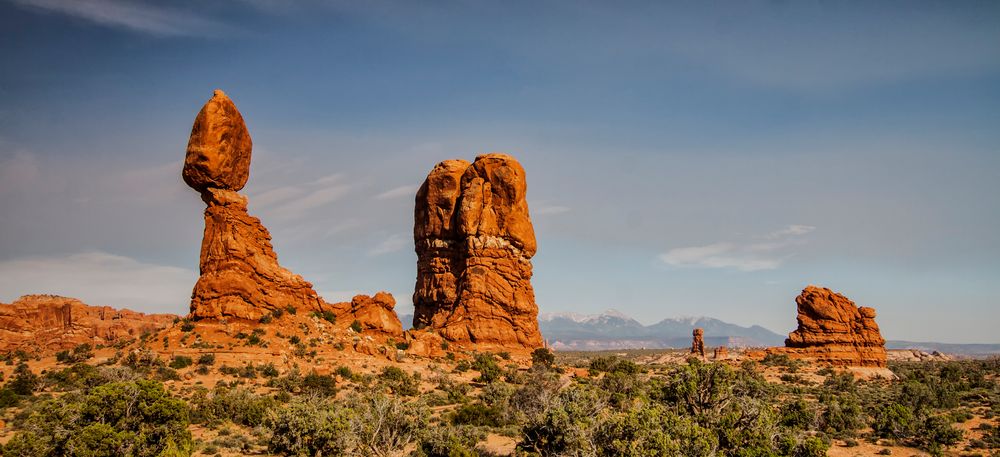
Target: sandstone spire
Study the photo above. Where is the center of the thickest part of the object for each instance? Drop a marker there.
(698, 342)
(474, 242)
(240, 274)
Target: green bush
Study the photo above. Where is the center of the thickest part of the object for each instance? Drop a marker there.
(180, 362)
(310, 428)
(488, 368)
(399, 381)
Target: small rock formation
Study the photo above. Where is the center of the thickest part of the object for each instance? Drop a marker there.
(474, 243)
(833, 329)
(372, 313)
(721, 352)
(240, 274)
(49, 323)
(698, 342)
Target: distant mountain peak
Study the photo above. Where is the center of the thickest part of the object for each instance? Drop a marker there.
(581, 318)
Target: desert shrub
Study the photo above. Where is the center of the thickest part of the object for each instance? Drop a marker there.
(842, 415)
(187, 326)
(238, 405)
(448, 441)
(266, 319)
(893, 421)
(327, 315)
(356, 326)
(317, 384)
(310, 428)
(488, 368)
(344, 372)
(8, 398)
(23, 380)
(811, 447)
(566, 425)
(543, 358)
(477, 414)
(181, 362)
(384, 425)
(798, 414)
(79, 354)
(206, 359)
(130, 418)
(399, 381)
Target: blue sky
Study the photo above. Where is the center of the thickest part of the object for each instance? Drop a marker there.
(683, 159)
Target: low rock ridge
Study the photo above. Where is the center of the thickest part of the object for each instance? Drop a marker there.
(45, 324)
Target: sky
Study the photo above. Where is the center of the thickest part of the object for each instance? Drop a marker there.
(683, 158)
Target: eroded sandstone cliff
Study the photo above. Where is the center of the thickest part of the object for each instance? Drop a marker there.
(47, 323)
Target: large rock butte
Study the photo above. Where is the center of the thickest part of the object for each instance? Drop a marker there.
(240, 274)
(834, 330)
(474, 242)
(44, 324)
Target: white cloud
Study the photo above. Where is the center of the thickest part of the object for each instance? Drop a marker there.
(393, 243)
(741, 256)
(100, 278)
(398, 192)
(137, 16)
(291, 202)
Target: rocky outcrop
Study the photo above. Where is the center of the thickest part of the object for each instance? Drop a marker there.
(474, 242)
(698, 342)
(48, 323)
(720, 353)
(240, 274)
(834, 330)
(371, 313)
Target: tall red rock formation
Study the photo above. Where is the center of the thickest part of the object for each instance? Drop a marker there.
(474, 241)
(48, 323)
(240, 274)
(833, 329)
(698, 342)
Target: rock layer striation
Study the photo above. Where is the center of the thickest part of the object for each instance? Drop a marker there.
(833, 329)
(474, 242)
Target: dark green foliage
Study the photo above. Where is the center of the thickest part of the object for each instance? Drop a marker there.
(488, 368)
(126, 418)
(447, 441)
(543, 357)
(317, 384)
(79, 354)
(180, 362)
(399, 381)
(477, 414)
(356, 326)
(309, 428)
(206, 359)
(23, 381)
(187, 326)
(239, 406)
(327, 315)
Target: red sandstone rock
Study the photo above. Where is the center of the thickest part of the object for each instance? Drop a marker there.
(720, 353)
(474, 241)
(49, 323)
(833, 329)
(372, 313)
(218, 152)
(698, 342)
(240, 274)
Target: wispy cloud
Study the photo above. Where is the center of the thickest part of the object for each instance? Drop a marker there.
(397, 192)
(151, 18)
(393, 243)
(100, 278)
(291, 202)
(749, 256)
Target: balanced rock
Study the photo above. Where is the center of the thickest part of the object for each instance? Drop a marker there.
(698, 342)
(47, 323)
(474, 242)
(240, 274)
(218, 151)
(834, 330)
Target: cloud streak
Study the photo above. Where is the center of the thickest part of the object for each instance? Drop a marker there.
(136, 16)
(397, 192)
(767, 255)
(393, 243)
